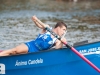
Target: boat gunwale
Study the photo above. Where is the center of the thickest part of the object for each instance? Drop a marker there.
(52, 49)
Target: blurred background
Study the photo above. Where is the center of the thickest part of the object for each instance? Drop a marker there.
(16, 25)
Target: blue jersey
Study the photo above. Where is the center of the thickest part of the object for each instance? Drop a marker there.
(42, 42)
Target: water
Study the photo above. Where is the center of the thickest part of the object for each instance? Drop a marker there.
(16, 26)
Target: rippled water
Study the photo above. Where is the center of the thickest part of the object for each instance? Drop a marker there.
(16, 26)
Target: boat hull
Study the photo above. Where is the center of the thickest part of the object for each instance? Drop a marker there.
(53, 62)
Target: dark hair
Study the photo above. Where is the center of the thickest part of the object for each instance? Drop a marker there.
(60, 24)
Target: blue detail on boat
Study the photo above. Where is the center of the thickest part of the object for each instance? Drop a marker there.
(53, 62)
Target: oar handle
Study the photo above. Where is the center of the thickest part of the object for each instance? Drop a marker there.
(58, 37)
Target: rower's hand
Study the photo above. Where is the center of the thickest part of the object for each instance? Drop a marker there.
(64, 40)
(34, 18)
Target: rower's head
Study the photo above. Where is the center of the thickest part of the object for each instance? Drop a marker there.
(60, 28)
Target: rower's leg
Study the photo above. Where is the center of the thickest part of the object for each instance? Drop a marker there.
(21, 49)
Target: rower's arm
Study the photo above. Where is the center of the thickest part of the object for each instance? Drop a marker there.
(39, 23)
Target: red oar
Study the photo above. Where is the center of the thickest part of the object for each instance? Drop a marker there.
(74, 50)
(0, 50)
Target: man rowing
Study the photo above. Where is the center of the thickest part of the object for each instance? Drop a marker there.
(45, 40)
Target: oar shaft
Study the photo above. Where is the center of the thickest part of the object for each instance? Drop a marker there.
(80, 55)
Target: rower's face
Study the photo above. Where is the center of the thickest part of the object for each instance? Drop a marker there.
(61, 30)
